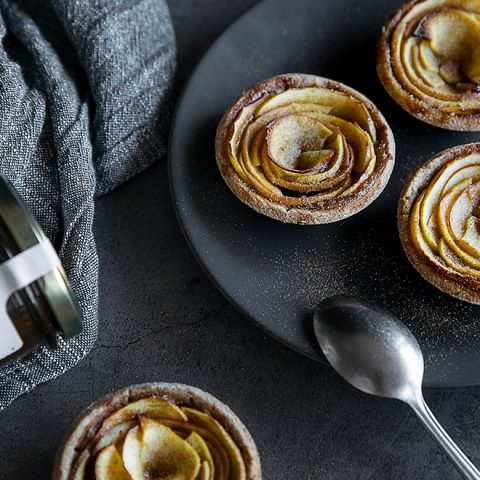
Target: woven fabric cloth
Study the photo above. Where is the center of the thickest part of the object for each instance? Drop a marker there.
(84, 106)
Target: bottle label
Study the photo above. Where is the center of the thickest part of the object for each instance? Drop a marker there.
(16, 273)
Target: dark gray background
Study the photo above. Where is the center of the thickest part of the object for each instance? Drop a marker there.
(162, 320)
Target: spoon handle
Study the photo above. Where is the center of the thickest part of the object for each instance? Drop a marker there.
(456, 456)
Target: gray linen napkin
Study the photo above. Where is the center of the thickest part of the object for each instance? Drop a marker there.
(84, 89)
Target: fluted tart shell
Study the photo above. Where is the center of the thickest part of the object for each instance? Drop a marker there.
(90, 422)
(295, 130)
(434, 269)
(428, 60)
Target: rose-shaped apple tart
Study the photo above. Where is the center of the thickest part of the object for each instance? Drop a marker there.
(439, 221)
(158, 432)
(428, 60)
(304, 149)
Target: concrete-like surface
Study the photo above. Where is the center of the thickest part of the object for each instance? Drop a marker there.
(162, 320)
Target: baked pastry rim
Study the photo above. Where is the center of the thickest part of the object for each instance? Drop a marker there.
(416, 184)
(407, 101)
(385, 150)
(87, 424)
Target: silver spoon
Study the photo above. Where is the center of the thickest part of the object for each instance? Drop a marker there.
(376, 353)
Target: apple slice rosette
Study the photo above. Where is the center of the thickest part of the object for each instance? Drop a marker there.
(304, 149)
(428, 60)
(161, 432)
(439, 221)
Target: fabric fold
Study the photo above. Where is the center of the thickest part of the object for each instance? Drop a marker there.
(84, 106)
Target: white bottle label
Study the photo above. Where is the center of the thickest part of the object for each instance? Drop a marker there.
(15, 274)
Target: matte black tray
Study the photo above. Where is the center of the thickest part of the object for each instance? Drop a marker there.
(274, 272)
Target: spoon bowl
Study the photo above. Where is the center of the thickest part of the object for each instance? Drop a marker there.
(369, 347)
(376, 353)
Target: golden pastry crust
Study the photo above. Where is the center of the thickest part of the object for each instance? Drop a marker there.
(437, 273)
(89, 422)
(308, 206)
(421, 63)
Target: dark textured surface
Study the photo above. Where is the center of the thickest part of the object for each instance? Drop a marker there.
(161, 319)
(78, 117)
(253, 258)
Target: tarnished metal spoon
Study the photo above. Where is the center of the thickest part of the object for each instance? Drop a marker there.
(376, 353)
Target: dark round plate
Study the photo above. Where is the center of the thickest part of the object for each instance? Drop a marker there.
(276, 273)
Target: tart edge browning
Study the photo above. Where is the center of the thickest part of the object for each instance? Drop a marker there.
(90, 421)
(414, 187)
(367, 193)
(406, 100)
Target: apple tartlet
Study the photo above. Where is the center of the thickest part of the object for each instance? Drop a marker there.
(304, 149)
(428, 60)
(439, 221)
(158, 431)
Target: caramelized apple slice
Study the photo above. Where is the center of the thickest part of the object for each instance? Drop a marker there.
(336, 103)
(209, 423)
(409, 63)
(419, 241)
(455, 36)
(455, 262)
(470, 239)
(316, 160)
(472, 172)
(444, 211)
(450, 72)
(433, 224)
(356, 137)
(292, 96)
(427, 57)
(360, 141)
(154, 451)
(462, 208)
(201, 447)
(241, 122)
(459, 216)
(453, 210)
(289, 137)
(430, 77)
(205, 472)
(151, 407)
(109, 465)
(113, 436)
(80, 466)
(249, 156)
(434, 191)
(415, 231)
(294, 179)
(218, 451)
